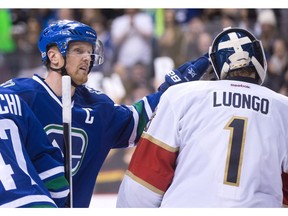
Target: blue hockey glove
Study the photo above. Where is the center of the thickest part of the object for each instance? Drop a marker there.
(189, 71)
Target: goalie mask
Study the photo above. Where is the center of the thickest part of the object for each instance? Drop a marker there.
(64, 32)
(236, 48)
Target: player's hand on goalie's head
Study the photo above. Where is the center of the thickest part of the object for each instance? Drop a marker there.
(189, 71)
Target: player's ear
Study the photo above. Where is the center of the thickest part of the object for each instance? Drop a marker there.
(55, 57)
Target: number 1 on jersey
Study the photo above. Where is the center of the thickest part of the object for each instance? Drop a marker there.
(237, 127)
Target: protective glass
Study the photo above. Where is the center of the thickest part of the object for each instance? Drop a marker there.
(97, 56)
(99, 53)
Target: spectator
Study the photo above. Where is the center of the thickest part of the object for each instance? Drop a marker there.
(266, 29)
(170, 43)
(277, 65)
(132, 37)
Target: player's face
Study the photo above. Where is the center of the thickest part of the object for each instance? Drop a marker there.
(78, 61)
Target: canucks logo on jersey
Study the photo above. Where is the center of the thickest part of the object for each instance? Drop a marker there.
(79, 140)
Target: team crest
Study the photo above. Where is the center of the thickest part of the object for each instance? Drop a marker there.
(150, 120)
(79, 142)
(8, 83)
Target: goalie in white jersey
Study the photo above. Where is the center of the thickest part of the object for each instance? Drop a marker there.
(217, 143)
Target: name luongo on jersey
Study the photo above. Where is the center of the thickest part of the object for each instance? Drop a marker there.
(79, 139)
(238, 100)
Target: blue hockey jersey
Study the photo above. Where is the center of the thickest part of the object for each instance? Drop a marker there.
(28, 162)
(98, 124)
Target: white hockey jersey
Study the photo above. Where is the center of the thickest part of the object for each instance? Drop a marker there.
(211, 144)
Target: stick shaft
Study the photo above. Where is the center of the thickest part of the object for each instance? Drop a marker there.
(67, 120)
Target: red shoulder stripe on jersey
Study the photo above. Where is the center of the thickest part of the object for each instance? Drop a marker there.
(153, 162)
(144, 183)
(159, 143)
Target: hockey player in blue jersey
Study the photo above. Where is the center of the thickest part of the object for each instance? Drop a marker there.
(98, 124)
(29, 164)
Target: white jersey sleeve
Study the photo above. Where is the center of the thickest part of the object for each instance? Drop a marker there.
(142, 193)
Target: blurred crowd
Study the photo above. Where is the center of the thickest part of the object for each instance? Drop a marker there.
(135, 39)
(141, 44)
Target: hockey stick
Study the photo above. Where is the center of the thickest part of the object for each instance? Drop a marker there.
(67, 120)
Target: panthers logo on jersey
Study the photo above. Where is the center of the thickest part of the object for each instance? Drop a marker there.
(79, 141)
(150, 120)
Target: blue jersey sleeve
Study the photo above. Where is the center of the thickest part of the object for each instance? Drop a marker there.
(130, 121)
(145, 109)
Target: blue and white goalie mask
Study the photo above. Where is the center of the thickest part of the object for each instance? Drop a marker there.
(236, 48)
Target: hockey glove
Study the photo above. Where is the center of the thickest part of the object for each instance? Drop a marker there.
(189, 71)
